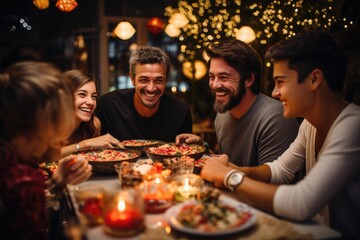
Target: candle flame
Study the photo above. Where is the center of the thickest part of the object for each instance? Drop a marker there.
(157, 180)
(186, 184)
(121, 205)
(168, 229)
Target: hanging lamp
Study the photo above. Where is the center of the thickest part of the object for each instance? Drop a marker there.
(155, 25)
(41, 4)
(179, 20)
(66, 5)
(124, 30)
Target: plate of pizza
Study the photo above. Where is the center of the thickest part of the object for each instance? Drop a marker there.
(104, 159)
(160, 151)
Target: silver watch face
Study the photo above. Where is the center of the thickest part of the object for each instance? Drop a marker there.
(235, 179)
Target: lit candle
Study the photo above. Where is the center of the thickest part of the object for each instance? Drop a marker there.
(124, 217)
(185, 191)
(158, 195)
(186, 184)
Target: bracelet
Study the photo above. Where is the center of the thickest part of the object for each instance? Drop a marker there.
(227, 176)
(77, 147)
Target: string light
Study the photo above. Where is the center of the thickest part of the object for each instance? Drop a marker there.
(284, 19)
(208, 21)
(212, 20)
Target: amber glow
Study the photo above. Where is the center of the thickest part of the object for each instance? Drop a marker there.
(211, 21)
(41, 4)
(66, 5)
(124, 30)
(121, 205)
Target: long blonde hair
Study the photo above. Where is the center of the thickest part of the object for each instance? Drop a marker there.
(36, 100)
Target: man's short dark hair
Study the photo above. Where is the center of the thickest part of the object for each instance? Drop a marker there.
(310, 50)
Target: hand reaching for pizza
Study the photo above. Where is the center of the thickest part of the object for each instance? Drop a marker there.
(104, 141)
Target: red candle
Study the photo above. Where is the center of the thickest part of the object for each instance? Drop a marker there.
(124, 217)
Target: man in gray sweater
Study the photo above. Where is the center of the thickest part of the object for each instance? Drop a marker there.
(249, 125)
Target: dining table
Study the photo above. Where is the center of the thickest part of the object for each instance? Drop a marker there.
(267, 226)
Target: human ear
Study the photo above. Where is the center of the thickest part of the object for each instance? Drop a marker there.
(316, 77)
(250, 80)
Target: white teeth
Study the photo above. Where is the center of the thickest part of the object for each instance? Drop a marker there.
(221, 93)
(85, 109)
(150, 94)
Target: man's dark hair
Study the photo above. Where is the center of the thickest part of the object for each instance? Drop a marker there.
(242, 57)
(310, 50)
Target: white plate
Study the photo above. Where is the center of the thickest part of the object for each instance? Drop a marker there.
(171, 213)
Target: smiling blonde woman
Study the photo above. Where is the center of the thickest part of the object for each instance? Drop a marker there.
(35, 102)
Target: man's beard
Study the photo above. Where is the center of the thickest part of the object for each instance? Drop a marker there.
(233, 101)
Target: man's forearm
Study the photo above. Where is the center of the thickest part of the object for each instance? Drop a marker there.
(260, 173)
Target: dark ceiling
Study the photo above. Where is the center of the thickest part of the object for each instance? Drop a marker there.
(52, 22)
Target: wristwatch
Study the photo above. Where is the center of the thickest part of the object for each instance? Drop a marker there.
(234, 180)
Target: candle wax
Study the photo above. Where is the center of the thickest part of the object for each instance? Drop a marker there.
(187, 191)
(124, 220)
(183, 193)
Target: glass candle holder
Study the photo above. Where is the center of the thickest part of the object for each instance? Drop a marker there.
(179, 165)
(124, 213)
(157, 194)
(89, 199)
(187, 187)
(128, 174)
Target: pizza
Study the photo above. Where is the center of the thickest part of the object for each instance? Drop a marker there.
(139, 143)
(104, 155)
(171, 149)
